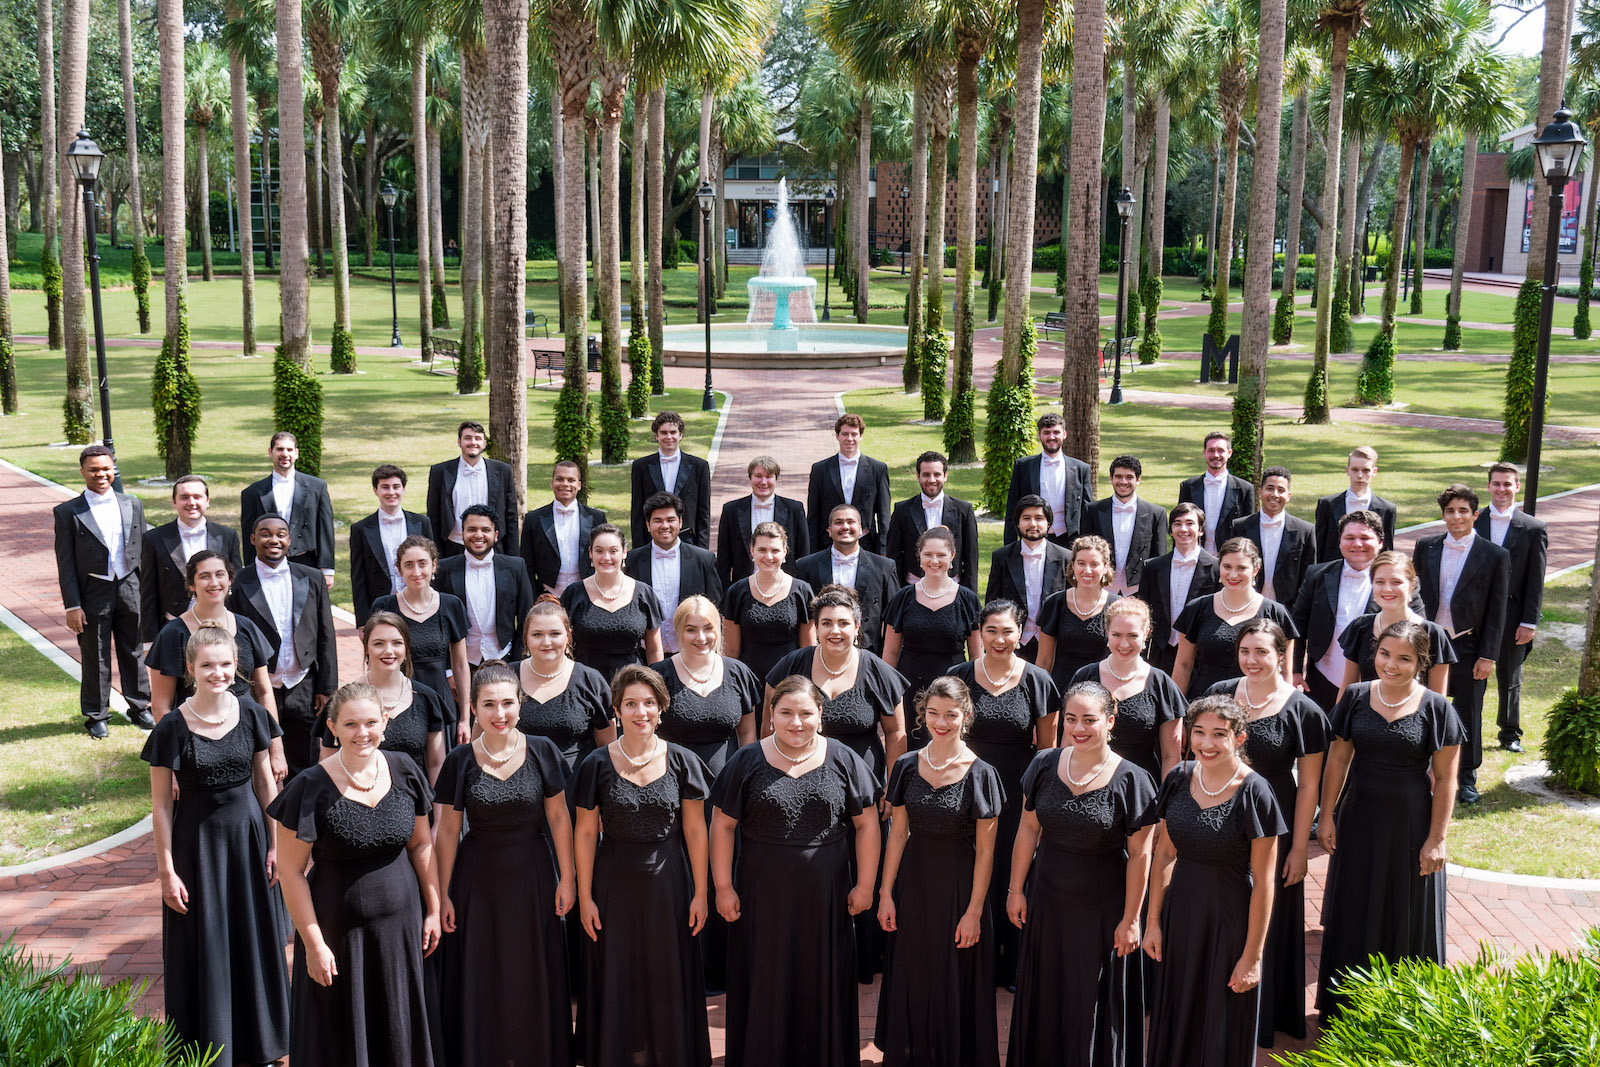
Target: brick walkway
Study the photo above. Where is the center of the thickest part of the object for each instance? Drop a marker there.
(105, 911)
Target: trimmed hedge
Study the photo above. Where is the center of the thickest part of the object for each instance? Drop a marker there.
(175, 399)
(8, 376)
(1150, 287)
(640, 358)
(1432, 258)
(1572, 741)
(470, 369)
(297, 407)
(1008, 424)
(343, 356)
(50, 270)
(572, 427)
(1375, 384)
(1580, 319)
(935, 362)
(1518, 410)
(141, 286)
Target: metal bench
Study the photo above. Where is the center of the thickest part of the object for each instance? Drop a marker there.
(533, 320)
(551, 363)
(445, 346)
(1053, 321)
(627, 312)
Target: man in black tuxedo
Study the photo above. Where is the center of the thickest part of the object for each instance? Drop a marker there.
(472, 478)
(1131, 526)
(933, 507)
(1029, 569)
(1173, 579)
(375, 539)
(303, 502)
(1528, 542)
(1220, 496)
(741, 515)
(846, 563)
(671, 566)
(1464, 581)
(1061, 480)
(163, 567)
(99, 535)
(671, 470)
(555, 538)
(1361, 468)
(495, 590)
(853, 478)
(1332, 595)
(292, 608)
(1287, 545)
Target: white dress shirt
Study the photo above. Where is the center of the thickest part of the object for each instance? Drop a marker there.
(762, 511)
(472, 487)
(483, 642)
(106, 514)
(847, 475)
(191, 539)
(1356, 503)
(1500, 523)
(566, 521)
(1451, 561)
(669, 470)
(1122, 516)
(283, 495)
(1355, 593)
(1053, 487)
(1033, 575)
(1178, 596)
(932, 510)
(277, 585)
(1271, 542)
(844, 567)
(664, 574)
(1216, 488)
(392, 531)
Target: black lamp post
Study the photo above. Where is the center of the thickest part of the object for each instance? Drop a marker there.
(707, 197)
(1125, 204)
(1560, 151)
(389, 194)
(905, 220)
(85, 157)
(827, 255)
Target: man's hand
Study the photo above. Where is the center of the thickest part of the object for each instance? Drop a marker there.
(329, 579)
(1524, 635)
(1482, 669)
(76, 620)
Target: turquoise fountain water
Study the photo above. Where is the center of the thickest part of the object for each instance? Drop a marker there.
(783, 273)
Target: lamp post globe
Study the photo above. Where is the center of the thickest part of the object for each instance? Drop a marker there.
(1125, 206)
(707, 196)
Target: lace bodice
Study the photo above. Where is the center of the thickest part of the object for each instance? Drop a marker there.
(216, 764)
(1221, 833)
(778, 809)
(945, 811)
(1095, 822)
(352, 831)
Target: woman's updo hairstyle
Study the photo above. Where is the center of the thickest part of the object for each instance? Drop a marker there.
(834, 595)
(209, 635)
(951, 689)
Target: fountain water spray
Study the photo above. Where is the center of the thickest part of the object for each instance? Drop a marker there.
(783, 281)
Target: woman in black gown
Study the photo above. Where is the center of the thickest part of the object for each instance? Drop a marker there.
(1386, 881)
(1148, 707)
(222, 927)
(562, 700)
(642, 890)
(1394, 582)
(794, 802)
(767, 615)
(1287, 738)
(937, 1004)
(504, 992)
(1072, 622)
(1211, 891)
(436, 628)
(1080, 997)
(413, 713)
(615, 620)
(931, 626)
(1015, 707)
(368, 910)
(1210, 624)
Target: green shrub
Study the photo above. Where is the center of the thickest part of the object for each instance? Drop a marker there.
(1316, 398)
(1283, 318)
(1340, 337)
(935, 361)
(141, 286)
(343, 357)
(470, 368)
(960, 426)
(640, 359)
(50, 270)
(1008, 425)
(175, 399)
(1580, 319)
(8, 376)
(688, 251)
(1432, 258)
(1217, 323)
(1375, 384)
(980, 256)
(1452, 333)
(1247, 427)
(297, 407)
(441, 306)
(1572, 742)
(1047, 257)
(671, 252)
(542, 250)
(1518, 410)
(1150, 287)
(572, 427)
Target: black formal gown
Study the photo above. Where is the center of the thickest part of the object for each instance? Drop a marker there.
(931, 641)
(640, 1000)
(1216, 659)
(1003, 737)
(407, 730)
(1360, 645)
(1376, 902)
(165, 656)
(569, 719)
(504, 991)
(936, 1007)
(767, 632)
(1274, 743)
(1079, 641)
(1078, 1003)
(610, 640)
(364, 891)
(792, 998)
(430, 643)
(226, 985)
(1195, 1018)
(1136, 733)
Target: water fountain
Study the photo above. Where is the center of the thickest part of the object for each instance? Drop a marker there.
(783, 276)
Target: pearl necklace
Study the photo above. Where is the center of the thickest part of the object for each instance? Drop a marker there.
(1072, 601)
(701, 679)
(608, 597)
(427, 605)
(983, 665)
(1222, 595)
(218, 721)
(822, 659)
(922, 587)
(1377, 691)
(649, 755)
(1200, 777)
(390, 705)
(351, 774)
(548, 677)
(928, 757)
(499, 761)
(1251, 705)
(1091, 776)
(1138, 662)
(811, 750)
(755, 583)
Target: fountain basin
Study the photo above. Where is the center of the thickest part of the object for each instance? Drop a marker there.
(806, 345)
(781, 289)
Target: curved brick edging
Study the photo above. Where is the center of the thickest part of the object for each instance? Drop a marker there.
(40, 868)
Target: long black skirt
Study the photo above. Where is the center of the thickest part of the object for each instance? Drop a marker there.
(1010, 762)
(1078, 1003)
(226, 985)
(791, 958)
(504, 998)
(1283, 959)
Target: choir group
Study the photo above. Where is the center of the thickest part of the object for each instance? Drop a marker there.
(602, 763)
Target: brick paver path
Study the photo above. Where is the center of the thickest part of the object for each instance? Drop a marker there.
(105, 911)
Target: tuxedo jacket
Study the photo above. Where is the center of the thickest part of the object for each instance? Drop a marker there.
(513, 595)
(542, 554)
(81, 555)
(502, 497)
(869, 495)
(1155, 589)
(1025, 479)
(1478, 606)
(876, 581)
(1330, 509)
(693, 488)
(1297, 551)
(1528, 543)
(1238, 500)
(1149, 538)
(163, 584)
(697, 572)
(1008, 578)
(734, 537)
(908, 522)
(310, 519)
(369, 563)
(312, 615)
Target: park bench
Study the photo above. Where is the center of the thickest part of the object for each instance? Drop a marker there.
(552, 363)
(533, 320)
(627, 313)
(446, 346)
(1053, 321)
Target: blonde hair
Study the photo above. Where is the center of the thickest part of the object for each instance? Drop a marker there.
(701, 606)
(349, 693)
(209, 635)
(1401, 563)
(1090, 542)
(1132, 607)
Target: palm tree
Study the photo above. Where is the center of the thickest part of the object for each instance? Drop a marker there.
(1080, 373)
(141, 265)
(8, 366)
(420, 208)
(327, 24)
(506, 44)
(79, 407)
(1302, 69)
(243, 36)
(444, 76)
(1486, 110)
(1223, 36)
(50, 262)
(1032, 16)
(1585, 102)
(174, 394)
(294, 284)
(206, 92)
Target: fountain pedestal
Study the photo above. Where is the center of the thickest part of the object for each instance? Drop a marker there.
(780, 288)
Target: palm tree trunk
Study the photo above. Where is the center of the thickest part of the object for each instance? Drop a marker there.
(911, 376)
(506, 44)
(419, 150)
(1352, 208)
(1080, 373)
(336, 220)
(1020, 210)
(369, 186)
(1223, 278)
(1131, 178)
(703, 287)
(1316, 398)
(79, 409)
(441, 302)
(1552, 90)
(1458, 262)
(655, 204)
(8, 366)
(558, 183)
(471, 240)
(499, 404)
(1150, 342)
(613, 413)
(294, 286)
(862, 213)
(1402, 205)
(50, 156)
(1211, 234)
(202, 146)
(636, 179)
(572, 39)
(596, 209)
(318, 212)
(1300, 133)
(959, 436)
(1420, 226)
(938, 185)
(131, 138)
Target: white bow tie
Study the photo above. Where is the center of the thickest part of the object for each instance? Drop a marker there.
(849, 461)
(1122, 509)
(1051, 461)
(1029, 553)
(663, 553)
(1455, 546)
(1267, 520)
(570, 509)
(1186, 564)
(392, 520)
(840, 559)
(1350, 574)
(1216, 479)
(483, 564)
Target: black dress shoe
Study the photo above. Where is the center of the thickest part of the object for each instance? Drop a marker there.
(142, 718)
(96, 729)
(1467, 795)
(1513, 746)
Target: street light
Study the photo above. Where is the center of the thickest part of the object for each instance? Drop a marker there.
(1560, 151)
(707, 197)
(389, 193)
(905, 238)
(1125, 204)
(85, 157)
(827, 255)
